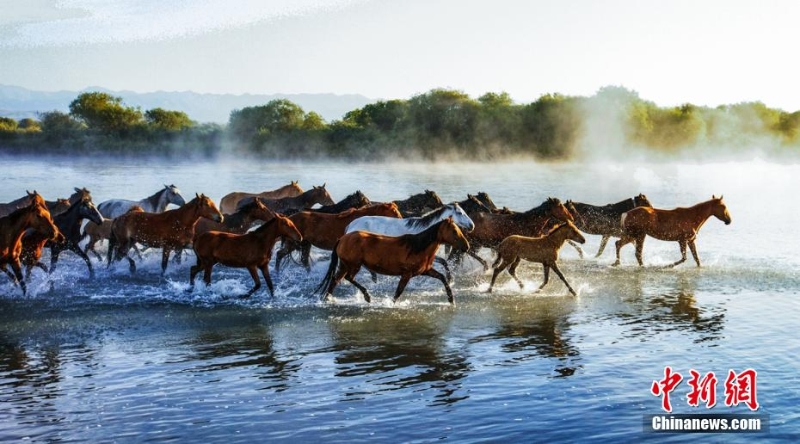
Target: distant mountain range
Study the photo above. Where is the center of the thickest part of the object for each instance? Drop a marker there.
(20, 103)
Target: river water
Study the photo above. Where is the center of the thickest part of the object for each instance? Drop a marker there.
(135, 358)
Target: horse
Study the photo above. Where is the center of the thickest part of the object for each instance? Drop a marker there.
(492, 228)
(680, 225)
(230, 201)
(156, 203)
(405, 256)
(290, 205)
(251, 250)
(472, 205)
(484, 198)
(604, 220)
(102, 231)
(58, 205)
(418, 204)
(355, 200)
(170, 230)
(12, 227)
(542, 249)
(69, 224)
(323, 230)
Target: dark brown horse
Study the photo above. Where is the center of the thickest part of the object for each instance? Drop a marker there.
(680, 225)
(69, 224)
(290, 205)
(12, 227)
(492, 228)
(604, 220)
(54, 207)
(170, 230)
(542, 249)
(405, 256)
(230, 201)
(323, 230)
(355, 200)
(251, 250)
(419, 204)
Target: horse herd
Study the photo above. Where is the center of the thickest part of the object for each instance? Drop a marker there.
(399, 238)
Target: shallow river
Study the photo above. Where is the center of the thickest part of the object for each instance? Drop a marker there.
(136, 358)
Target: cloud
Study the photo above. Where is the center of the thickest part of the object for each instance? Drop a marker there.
(122, 21)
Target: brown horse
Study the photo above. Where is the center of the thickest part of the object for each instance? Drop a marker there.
(291, 205)
(405, 256)
(679, 225)
(102, 231)
(170, 230)
(12, 227)
(230, 202)
(543, 249)
(251, 250)
(323, 230)
(603, 220)
(492, 228)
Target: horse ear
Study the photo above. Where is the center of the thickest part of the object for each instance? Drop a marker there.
(196, 195)
(720, 197)
(323, 185)
(77, 190)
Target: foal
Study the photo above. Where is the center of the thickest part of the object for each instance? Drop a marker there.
(542, 249)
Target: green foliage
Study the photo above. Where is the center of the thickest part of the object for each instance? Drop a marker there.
(164, 120)
(29, 125)
(551, 126)
(105, 113)
(8, 125)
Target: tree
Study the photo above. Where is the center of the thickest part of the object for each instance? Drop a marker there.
(277, 116)
(162, 119)
(104, 112)
(8, 125)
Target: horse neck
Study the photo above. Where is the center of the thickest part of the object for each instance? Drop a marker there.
(237, 220)
(267, 232)
(625, 205)
(158, 202)
(425, 240)
(557, 237)
(69, 218)
(186, 215)
(701, 212)
(17, 223)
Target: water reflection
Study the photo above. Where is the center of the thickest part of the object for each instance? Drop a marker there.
(533, 328)
(400, 349)
(667, 303)
(251, 346)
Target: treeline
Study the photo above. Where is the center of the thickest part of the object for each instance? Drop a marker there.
(441, 123)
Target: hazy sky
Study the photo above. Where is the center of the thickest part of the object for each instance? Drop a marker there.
(707, 52)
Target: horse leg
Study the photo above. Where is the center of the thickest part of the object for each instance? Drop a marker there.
(577, 248)
(361, 288)
(603, 243)
(16, 268)
(79, 252)
(402, 286)
(440, 260)
(164, 260)
(498, 269)
(513, 272)
(546, 276)
(253, 274)
(435, 274)
(335, 281)
(639, 242)
(138, 251)
(268, 279)
(682, 244)
(193, 271)
(693, 248)
(479, 259)
(561, 275)
(280, 255)
(207, 272)
(624, 240)
(374, 276)
(305, 248)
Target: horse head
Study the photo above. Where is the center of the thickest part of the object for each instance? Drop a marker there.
(460, 216)
(40, 220)
(287, 229)
(362, 201)
(80, 194)
(205, 208)
(87, 210)
(576, 215)
(173, 195)
(257, 210)
(720, 210)
(573, 233)
(484, 198)
(558, 210)
(641, 201)
(450, 234)
(321, 196)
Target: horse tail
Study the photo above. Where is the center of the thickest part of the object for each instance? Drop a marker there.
(330, 274)
(622, 220)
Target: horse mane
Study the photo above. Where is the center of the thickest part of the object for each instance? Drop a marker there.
(156, 198)
(416, 243)
(543, 208)
(425, 219)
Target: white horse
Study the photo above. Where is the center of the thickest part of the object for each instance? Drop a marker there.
(388, 226)
(156, 203)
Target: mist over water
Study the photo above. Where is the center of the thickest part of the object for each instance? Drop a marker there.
(131, 358)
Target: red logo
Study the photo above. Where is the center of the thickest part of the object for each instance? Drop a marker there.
(665, 386)
(739, 388)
